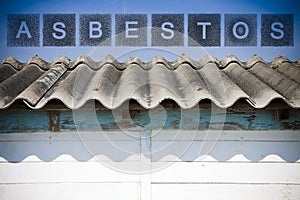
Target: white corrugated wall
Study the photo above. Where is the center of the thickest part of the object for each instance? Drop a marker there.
(238, 165)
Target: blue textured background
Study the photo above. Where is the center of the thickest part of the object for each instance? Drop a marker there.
(149, 7)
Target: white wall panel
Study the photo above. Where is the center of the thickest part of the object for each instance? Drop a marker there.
(239, 165)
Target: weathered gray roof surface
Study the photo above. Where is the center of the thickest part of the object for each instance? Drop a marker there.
(185, 81)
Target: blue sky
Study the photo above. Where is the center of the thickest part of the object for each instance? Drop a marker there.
(149, 7)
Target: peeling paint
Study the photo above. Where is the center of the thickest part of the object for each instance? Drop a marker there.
(63, 120)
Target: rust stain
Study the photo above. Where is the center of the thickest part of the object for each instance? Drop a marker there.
(54, 121)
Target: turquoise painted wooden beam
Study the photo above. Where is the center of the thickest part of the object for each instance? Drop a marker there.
(91, 120)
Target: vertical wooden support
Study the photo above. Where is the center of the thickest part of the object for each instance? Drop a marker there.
(54, 120)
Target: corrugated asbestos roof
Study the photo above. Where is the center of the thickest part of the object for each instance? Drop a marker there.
(185, 81)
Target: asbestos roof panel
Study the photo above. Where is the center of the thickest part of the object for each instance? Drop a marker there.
(185, 81)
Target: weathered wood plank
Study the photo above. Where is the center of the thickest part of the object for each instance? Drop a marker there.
(90, 120)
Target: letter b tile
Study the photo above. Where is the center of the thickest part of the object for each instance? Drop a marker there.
(95, 30)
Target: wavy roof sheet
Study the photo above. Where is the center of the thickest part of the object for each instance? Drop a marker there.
(185, 81)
